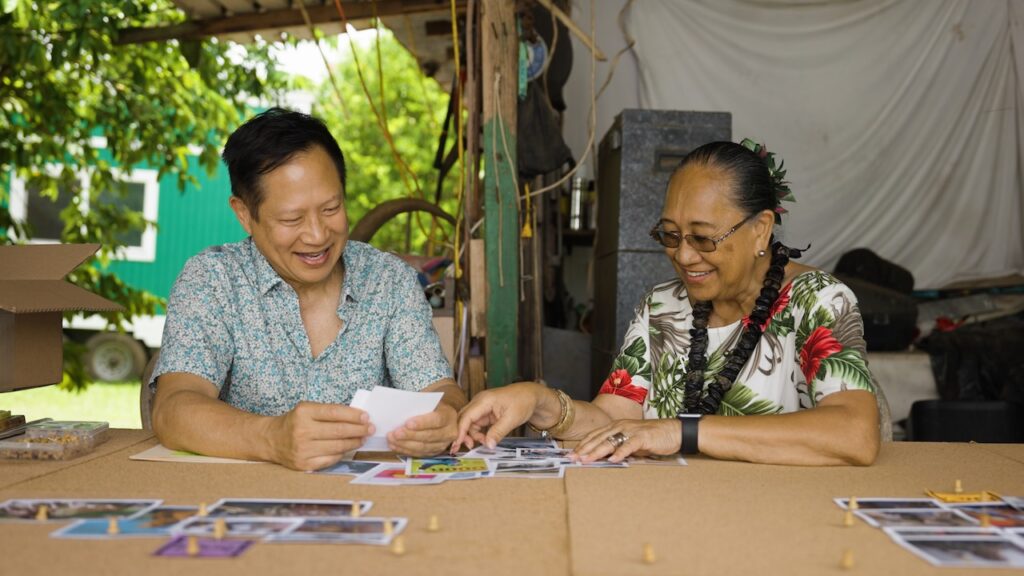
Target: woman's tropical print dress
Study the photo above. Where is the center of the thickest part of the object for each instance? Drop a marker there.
(812, 346)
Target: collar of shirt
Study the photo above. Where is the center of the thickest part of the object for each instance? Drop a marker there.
(353, 286)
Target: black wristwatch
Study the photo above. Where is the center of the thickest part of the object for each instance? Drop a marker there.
(690, 424)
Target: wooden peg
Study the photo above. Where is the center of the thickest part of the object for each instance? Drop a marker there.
(649, 557)
(220, 528)
(356, 510)
(43, 513)
(433, 524)
(958, 487)
(202, 510)
(846, 562)
(113, 528)
(398, 546)
(389, 528)
(192, 546)
(848, 518)
(986, 520)
(852, 505)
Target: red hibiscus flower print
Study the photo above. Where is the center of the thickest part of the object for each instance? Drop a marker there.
(620, 383)
(780, 304)
(819, 345)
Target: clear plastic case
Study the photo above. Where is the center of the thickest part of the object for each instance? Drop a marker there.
(90, 434)
(63, 448)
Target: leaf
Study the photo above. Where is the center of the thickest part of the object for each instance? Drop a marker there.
(636, 348)
(850, 367)
(742, 401)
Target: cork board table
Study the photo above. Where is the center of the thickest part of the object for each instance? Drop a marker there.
(706, 518)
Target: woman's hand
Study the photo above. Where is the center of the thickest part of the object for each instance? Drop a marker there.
(642, 437)
(494, 413)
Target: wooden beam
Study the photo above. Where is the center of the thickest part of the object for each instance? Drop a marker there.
(283, 18)
(500, 76)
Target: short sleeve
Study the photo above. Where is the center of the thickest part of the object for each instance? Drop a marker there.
(412, 348)
(631, 372)
(196, 338)
(830, 337)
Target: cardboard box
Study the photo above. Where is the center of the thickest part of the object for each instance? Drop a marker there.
(33, 296)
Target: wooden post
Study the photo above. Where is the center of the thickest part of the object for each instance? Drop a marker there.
(500, 75)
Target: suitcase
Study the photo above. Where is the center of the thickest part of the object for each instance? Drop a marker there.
(890, 317)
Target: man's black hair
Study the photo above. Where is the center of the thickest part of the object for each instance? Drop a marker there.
(268, 140)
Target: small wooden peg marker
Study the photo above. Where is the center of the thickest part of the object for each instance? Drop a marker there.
(986, 521)
(389, 528)
(356, 510)
(220, 528)
(852, 505)
(192, 546)
(958, 487)
(202, 510)
(433, 525)
(398, 546)
(43, 513)
(848, 518)
(649, 557)
(847, 562)
(113, 528)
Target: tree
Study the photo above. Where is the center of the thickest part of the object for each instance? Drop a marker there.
(63, 80)
(414, 107)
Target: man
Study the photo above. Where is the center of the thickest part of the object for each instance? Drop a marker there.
(267, 339)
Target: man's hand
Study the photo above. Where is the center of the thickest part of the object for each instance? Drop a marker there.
(312, 436)
(427, 434)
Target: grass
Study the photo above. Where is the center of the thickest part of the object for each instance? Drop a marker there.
(115, 403)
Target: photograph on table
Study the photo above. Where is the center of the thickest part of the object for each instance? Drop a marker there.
(529, 469)
(344, 530)
(562, 455)
(348, 467)
(178, 547)
(236, 527)
(395, 475)
(1000, 514)
(156, 522)
(952, 531)
(513, 442)
(250, 507)
(889, 503)
(915, 518)
(655, 460)
(444, 465)
(967, 552)
(61, 509)
(492, 453)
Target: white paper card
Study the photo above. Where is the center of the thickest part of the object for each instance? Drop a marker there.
(389, 409)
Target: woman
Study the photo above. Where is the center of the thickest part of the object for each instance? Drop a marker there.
(741, 331)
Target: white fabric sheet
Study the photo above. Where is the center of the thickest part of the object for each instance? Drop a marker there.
(898, 120)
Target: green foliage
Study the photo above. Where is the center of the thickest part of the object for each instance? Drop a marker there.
(742, 401)
(849, 366)
(63, 79)
(414, 108)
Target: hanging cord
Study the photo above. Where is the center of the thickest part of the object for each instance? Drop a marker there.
(327, 65)
(595, 95)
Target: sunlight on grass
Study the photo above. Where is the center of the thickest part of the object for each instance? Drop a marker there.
(115, 403)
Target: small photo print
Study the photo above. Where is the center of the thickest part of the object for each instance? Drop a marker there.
(951, 531)
(348, 467)
(157, 522)
(492, 454)
(915, 518)
(514, 442)
(237, 527)
(344, 530)
(652, 460)
(888, 503)
(563, 455)
(445, 465)
(58, 510)
(283, 508)
(395, 475)
(208, 547)
(992, 551)
(1000, 515)
(529, 469)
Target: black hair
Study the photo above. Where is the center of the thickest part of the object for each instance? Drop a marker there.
(268, 140)
(752, 185)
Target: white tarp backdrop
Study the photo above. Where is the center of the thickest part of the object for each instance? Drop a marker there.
(897, 119)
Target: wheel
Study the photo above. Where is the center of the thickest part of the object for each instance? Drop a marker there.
(113, 357)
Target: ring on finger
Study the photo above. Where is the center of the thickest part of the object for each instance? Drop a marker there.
(617, 439)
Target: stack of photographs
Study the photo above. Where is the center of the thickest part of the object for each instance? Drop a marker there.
(962, 534)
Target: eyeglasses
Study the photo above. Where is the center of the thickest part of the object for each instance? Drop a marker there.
(670, 239)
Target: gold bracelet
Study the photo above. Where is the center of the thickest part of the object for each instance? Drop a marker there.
(565, 420)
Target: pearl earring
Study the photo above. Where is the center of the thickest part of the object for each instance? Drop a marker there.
(760, 253)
